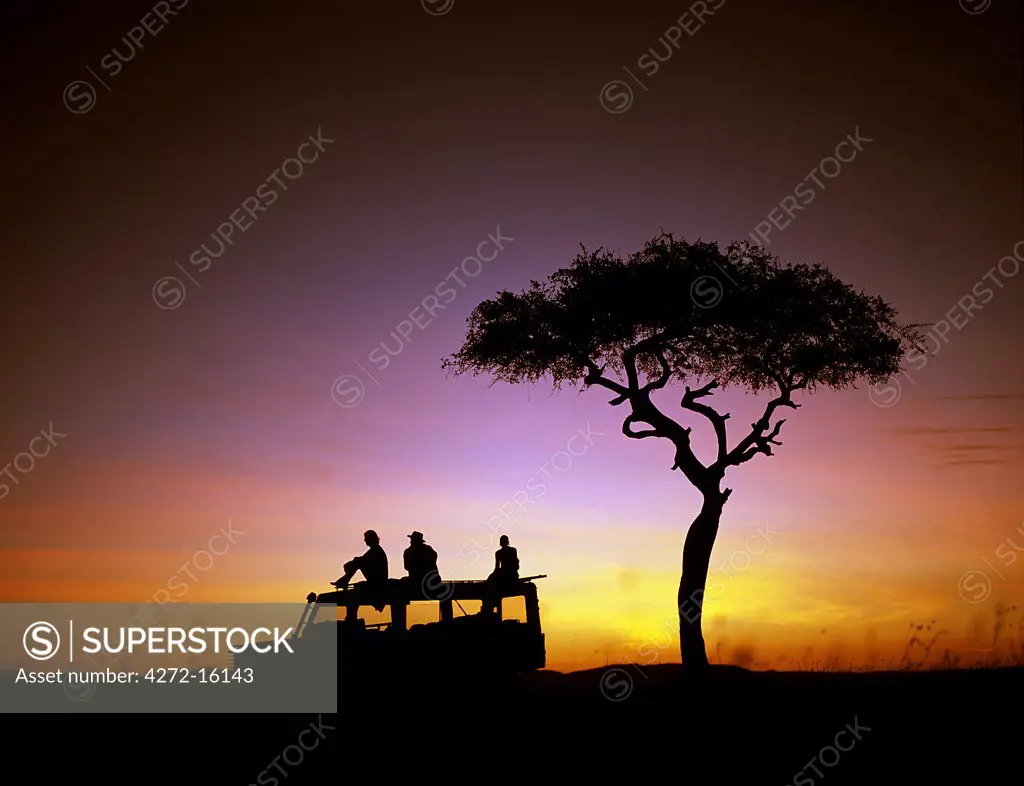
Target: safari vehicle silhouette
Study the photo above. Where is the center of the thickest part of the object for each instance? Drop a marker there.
(484, 643)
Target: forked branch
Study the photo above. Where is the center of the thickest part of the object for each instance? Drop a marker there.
(663, 378)
(717, 419)
(645, 412)
(762, 434)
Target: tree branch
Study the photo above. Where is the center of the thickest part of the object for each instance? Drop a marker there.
(717, 419)
(685, 460)
(650, 344)
(644, 410)
(639, 434)
(595, 377)
(760, 439)
(762, 444)
(663, 379)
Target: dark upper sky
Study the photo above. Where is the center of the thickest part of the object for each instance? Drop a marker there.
(445, 128)
(489, 113)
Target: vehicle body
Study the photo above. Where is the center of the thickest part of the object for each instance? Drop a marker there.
(481, 644)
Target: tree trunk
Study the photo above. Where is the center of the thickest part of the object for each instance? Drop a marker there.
(700, 540)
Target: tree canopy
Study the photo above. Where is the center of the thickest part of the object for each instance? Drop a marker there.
(678, 310)
(771, 321)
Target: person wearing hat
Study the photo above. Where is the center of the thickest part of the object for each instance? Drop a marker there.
(420, 562)
(373, 564)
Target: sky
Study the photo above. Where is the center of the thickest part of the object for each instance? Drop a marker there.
(229, 416)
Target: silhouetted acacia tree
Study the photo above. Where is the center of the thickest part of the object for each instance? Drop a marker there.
(680, 311)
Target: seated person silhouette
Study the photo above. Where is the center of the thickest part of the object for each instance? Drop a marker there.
(373, 564)
(421, 563)
(505, 573)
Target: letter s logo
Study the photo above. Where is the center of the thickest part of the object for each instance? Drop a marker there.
(37, 640)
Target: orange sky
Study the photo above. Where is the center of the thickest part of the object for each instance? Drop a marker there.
(816, 559)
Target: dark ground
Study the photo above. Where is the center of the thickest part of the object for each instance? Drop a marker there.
(610, 724)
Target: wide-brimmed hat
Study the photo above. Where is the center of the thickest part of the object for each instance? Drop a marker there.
(416, 535)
